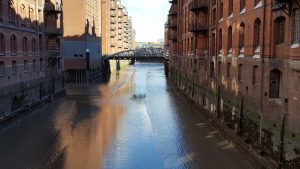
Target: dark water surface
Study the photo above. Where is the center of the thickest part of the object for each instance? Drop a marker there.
(132, 121)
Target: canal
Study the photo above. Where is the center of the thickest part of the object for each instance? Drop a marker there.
(133, 120)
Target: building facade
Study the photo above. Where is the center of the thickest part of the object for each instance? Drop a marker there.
(82, 40)
(117, 28)
(30, 52)
(240, 60)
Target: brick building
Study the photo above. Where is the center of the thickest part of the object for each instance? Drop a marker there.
(118, 33)
(240, 60)
(30, 51)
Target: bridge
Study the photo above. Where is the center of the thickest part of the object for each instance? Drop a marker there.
(141, 54)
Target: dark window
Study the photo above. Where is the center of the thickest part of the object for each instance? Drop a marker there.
(219, 67)
(33, 45)
(13, 44)
(279, 30)
(34, 65)
(41, 64)
(212, 69)
(230, 8)
(242, 4)
(241, 36)
(256, 34)
(2, 69)
(254, 75)
(25, 46)
(214, 17)
(11, 12)
(25, 66)
(213, 46)
(228, 70)
(2, 43)
(14, 68)
(229, 38)
(220, 40)
(296, 32)
(240, 69)
(274, 87)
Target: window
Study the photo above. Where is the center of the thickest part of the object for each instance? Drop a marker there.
(212, 69)
(221, 11)
(230, 8)
(34, 65)
(213, 46)
(254, 75)
(33, 45)
(256, 34)
(240, 72)
(219, 67)
(220, 40)
(25, 66)
(228, 70)
(41, 65)
(242, 5)
(25, 46)
(2, 69)
(241, 36)
(296, 32)
(229, 38)
(2, 44)
(23, 15)
(13, 44)
(214, 17)
(14, 68)
(279, 30)
(274, 86)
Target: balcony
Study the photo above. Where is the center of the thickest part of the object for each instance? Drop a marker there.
(172, 12)
(198, 27)
(172, 25)
(197, 5)
(54, 31)
(113, 14)
(113, 6)
(51, 8)
(53, 53)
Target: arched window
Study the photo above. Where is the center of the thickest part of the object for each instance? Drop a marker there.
(23, 14)
(274, 86)
(279, 30)
(25, 66)
(33, 45)
(240, 69)
(242, 36)
(254, 75)
(242, 4)
(14, 68)
(229, 45)
(230, 8)
(212, 69)
(214, 17)
(13, 44)
(41, 64)
(2, 69)
(25, 46)
(221, 11)
(2, 44)
(34, 65)
(220, 40)
(256, 34)
(296, 32)
(213, 46)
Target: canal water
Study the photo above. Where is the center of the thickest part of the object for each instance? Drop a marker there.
(132, 120)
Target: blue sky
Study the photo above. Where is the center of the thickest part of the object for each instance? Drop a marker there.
(149, 17)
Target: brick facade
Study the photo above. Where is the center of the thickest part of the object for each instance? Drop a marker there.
(228, 54)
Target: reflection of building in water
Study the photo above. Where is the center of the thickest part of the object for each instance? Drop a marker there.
(82, 39)
(30, 50)
(84, 143)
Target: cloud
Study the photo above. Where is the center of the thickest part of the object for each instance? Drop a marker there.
(148, 18)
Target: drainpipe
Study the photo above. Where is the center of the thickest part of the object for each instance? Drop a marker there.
(262, 74)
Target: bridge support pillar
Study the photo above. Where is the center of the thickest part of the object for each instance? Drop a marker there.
(118, 66)
(132, 62)
(166, 65)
